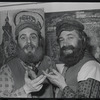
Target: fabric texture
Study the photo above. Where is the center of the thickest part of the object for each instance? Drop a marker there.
(9, 88)
(82, 80)
(89, 72)
(89, 88)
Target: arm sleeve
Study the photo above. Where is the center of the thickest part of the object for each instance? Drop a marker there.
(88, 82)
(7, 84)
(86, 89)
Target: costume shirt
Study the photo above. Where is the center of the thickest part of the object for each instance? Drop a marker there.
(82, 81)
(7, 82)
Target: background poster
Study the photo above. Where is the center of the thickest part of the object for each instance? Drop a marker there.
(7, 29)
(91, 21)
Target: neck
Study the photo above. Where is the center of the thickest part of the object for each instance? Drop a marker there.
(31, 66)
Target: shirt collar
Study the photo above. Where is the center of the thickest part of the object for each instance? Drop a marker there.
(27, 66)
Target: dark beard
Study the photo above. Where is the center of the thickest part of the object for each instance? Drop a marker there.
(74, 57)
(30, 58)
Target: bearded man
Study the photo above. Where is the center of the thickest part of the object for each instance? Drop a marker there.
(80, 75)
(22, 76)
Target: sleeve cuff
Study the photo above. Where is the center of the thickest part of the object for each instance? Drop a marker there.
(68, 92)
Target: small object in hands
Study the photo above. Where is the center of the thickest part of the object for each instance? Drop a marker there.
(51, 71)
(35, 70)
(48, 71)
(31, 74)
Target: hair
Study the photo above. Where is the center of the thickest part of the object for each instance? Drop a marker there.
(85, 41)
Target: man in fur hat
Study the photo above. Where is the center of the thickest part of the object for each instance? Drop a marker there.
(22, 76)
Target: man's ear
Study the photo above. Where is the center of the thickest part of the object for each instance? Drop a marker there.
(42, 43)
(84, 39)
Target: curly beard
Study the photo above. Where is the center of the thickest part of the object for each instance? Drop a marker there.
(72, 57)
(30, 58)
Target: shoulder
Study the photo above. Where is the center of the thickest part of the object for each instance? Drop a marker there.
(90, 69)
(5, 71)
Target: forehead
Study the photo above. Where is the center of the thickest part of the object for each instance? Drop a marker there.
(28, 31)
(69, 33)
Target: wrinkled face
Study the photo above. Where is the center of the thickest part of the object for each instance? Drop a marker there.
(28, 40)
(68, 40)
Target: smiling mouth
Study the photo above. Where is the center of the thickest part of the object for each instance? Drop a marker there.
(29, 49)
(68, 51)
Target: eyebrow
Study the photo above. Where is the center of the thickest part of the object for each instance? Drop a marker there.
(70, 34)
(22, 35)
(30, 34)
(34, 34)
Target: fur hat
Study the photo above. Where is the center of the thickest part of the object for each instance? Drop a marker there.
(29, 19)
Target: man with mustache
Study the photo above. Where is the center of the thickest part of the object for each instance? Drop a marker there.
(80, 75)
(22, 76)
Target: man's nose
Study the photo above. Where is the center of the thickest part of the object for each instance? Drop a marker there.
(65, 43)
(28, 40)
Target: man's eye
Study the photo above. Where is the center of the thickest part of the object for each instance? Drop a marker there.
(33, 37)
(70, 37)
(23, 38)
(60, 40)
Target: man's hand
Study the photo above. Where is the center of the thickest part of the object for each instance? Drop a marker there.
(56, 78)
(33, 85)
(32, 75)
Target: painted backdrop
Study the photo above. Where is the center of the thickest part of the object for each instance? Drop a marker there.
(7, 30)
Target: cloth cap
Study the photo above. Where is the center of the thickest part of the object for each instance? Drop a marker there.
(68, 25)
(24, 19)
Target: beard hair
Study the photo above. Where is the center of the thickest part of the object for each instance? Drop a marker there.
(30, 58)
(74, 57)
